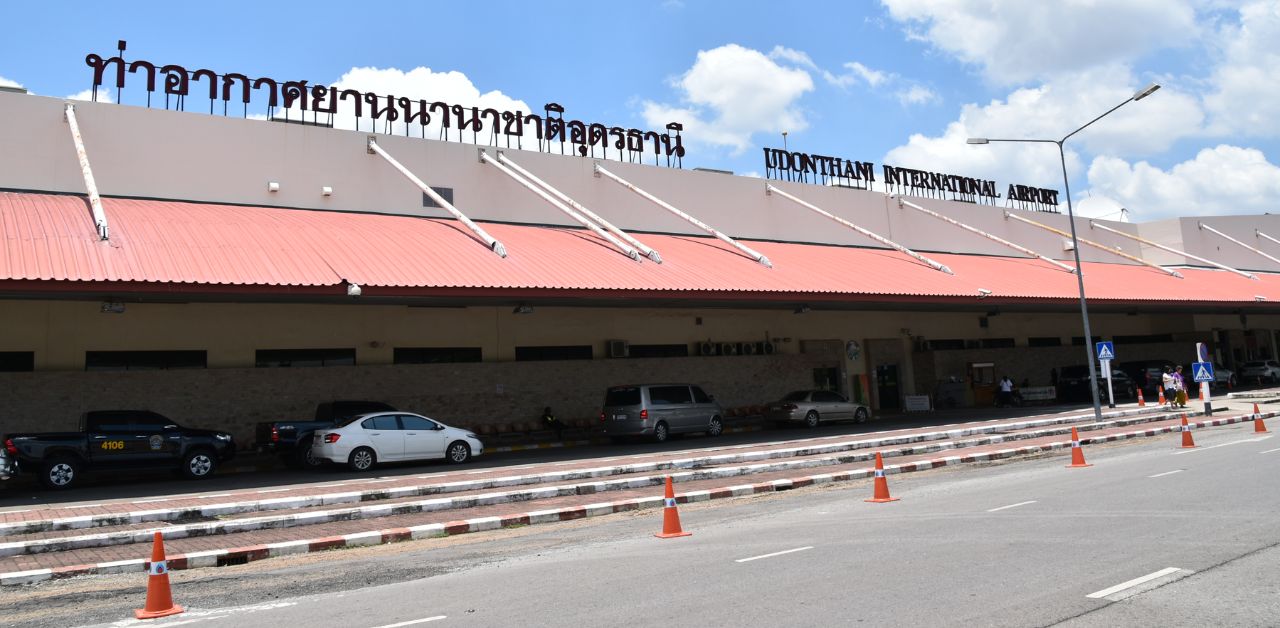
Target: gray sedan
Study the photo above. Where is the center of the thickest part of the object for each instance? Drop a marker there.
(814, 406)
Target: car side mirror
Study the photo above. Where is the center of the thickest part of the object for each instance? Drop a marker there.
(439, 427)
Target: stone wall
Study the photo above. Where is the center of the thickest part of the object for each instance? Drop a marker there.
(469, 394)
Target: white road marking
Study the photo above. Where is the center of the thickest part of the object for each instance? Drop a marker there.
(192, 616)
(1261, 452)
(1234, 442)
(798, 549)
(1133, 583)
(413, 621)
(1160, 475)
(275, 490)
(1012, 506)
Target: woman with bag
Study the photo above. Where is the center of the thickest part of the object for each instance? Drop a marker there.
(1180, 385)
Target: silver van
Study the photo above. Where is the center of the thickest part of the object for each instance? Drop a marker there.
(660, 410)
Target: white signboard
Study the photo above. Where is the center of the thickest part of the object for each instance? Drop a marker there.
(917, 403)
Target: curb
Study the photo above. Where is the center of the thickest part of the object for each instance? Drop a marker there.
(350, 497)
(242, 555)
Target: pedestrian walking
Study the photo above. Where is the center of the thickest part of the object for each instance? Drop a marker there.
(1180, 385)
(1170, 390)
(1006, 392)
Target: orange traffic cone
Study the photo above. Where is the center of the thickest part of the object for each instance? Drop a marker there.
(882, 485)
(1187, 441)
(1161, 391)
(1141, 402)
(1077, 454)
(670, 516)
(159, 601)
(1258, 426)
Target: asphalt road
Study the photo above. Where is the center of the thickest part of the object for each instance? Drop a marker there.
(1023, 543)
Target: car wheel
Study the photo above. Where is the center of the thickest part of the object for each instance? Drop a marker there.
(716, 427)
(60, 472)
(198, 464)
(304, 457)
(811, 419)
(362, 459)
(861, 415)
(660, 432)
(458, 452)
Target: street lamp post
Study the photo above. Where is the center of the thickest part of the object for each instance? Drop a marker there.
(1075, 245)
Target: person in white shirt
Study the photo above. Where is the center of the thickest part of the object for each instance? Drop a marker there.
(1006, 391)
(1169, 386)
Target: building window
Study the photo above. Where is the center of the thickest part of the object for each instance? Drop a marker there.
(1044, 341)
(658, 351)
(13, 361)
(436, 355)
(566, 352)
(1079, 340)
(996, 343)
(445, 193)
(143, 360)
(306, 357)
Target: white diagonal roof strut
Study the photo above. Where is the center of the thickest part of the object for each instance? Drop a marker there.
(579, 218)
(759, 257)
(564, 198)
(1231, 239)
(95, 201)
(484, 236)
(990, 236)
(1103, 247)
(769, 189)
(1173, 250)
(1263, 235)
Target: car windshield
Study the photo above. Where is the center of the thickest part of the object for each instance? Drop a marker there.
(799, 395)
(623, 396)
(352, 419)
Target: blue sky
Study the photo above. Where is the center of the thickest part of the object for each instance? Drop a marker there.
(901, 82)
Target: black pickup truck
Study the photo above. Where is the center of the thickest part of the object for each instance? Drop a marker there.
(119, 440)
(292, 439)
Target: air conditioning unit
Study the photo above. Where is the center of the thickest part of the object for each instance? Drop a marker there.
(767, 348)
(618, 348)
(708, 348)
(728, 348)
(751, 348)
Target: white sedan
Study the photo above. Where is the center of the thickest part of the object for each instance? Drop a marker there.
(368, 439)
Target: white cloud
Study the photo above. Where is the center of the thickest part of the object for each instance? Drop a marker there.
(1050, 112)
(4, 82)
(1220, 180)
(104, 95)
(857, 72)
(791, 55)
(916, 95)
(1245, 95)
(1019, 40)
(731, 93)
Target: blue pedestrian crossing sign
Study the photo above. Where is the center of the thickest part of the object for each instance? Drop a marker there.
(1203, 371)
(1106, 351)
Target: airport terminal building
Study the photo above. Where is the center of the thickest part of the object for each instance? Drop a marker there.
(478, 265)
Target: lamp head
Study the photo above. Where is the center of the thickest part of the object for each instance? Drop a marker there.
(977, 140)
(1146, 91)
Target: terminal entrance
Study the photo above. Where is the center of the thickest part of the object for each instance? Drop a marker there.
(887, 388)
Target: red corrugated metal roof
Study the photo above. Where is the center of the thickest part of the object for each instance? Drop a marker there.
(50, 238)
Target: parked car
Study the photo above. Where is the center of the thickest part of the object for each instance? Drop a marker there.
(292, 439)
(113, 440)
(366, 440)
(1267, 370)
(1146, 374)
(811, 407)
(1073, 384)
(659, 410)
(1223, 377)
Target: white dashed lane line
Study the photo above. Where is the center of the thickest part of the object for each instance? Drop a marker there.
(790, 551)
(1012, 506)
(1133, 583)
(1160, 475)
(413, 621)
